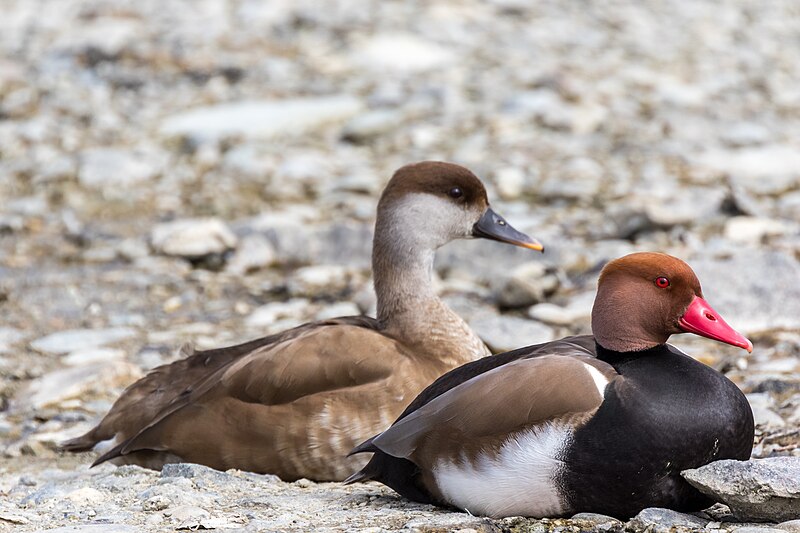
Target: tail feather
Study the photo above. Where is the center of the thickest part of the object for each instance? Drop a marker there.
(84, 443)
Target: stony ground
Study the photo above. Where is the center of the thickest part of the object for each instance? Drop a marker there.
(206, 172)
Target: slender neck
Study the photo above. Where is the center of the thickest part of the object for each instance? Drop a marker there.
(403, 273)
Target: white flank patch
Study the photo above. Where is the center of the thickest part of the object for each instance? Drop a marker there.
(517, 481)
(104, 445)
(600, 380)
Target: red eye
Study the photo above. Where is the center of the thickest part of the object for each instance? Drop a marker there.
(662, 282)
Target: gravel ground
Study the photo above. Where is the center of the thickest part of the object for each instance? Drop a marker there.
(206, 172)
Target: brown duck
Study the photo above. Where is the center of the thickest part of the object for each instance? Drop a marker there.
(294, 403)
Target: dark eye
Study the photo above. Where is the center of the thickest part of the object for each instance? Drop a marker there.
(455, 192)
(662, 282)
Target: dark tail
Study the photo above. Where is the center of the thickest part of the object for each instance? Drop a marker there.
(84, 443)
(364, 474)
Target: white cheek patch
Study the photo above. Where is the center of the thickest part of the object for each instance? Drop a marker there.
(599, 379)
(519, 480)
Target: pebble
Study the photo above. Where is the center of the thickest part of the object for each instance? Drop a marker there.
(665, 521)
(80, 339)
(503, 332)
(763, 170)
(253, 253)
(367, 127)
(527, 284)
(115, 167)
(759, 490)
(80, 382)
(401, 52)
(192, 238)
(260, 119)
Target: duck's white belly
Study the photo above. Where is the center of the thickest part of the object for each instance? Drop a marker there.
(519, 480)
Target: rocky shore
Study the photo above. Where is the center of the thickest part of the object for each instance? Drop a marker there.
(206, 172)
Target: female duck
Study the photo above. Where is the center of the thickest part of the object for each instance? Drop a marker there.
(600, 424)
(294, 403)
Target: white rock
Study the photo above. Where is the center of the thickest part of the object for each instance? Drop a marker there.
(270, 313)
(576, 313)
(86, 496)
(320, 279)
(403, 52)
(192, 237)
(114, 167)
(687, 206)
(78, 339)
(753, 230)
(502, 333)
(254, 252)
(92, 355)
(510, 182)
(368, 126)
(260, 119)
(80, 382)
(8, 337)
(337, 310)
(767, 170)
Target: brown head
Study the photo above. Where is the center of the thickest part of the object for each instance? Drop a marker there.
(645, 297)
(437, 202)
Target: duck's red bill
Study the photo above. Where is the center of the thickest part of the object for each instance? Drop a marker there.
(701, 319)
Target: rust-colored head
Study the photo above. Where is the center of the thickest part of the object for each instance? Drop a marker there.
(645, 297)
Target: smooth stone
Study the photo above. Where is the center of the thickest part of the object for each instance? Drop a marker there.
(76, 339)
(260, 119)
(92, 355)
(86, 496)
(269, 314)
(763, 410)
(760, 490)
(510, 182)
(750, 301)
(254, 252)
(793, 526)
(338, 309)
(528, 284)
(93, 528)
(763, 170)
(754, 230)
(320, 280)
(689, 206)
(660, 520)
(404, 52)
(502, 332)
(367, 127)
(9, 337)
(192, 238)
(79, 382)
(113, 167)
(577, 312)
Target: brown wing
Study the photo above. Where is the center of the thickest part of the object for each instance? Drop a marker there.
(249, 412)
(485, 410)
(143, 400)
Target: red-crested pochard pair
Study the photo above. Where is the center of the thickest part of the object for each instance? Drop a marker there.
(294, 403)
(601, 423)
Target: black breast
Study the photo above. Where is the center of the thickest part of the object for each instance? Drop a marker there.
(669, 413)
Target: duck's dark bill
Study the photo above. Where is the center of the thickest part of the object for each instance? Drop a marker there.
(493, 226)
(701, 319)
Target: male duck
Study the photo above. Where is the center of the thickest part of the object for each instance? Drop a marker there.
(294, 403)
(600, 424)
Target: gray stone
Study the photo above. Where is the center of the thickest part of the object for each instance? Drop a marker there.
(402, 52)
(502, 332)
(260, 119)
(254, 252)
(660, 520)
(763, 170)
(577, 313)
(79, 339)
(528, 284)
(364, 128)
(192, 238)
(755, 230)
(115, 167)
(320, 280)
(93, 528)
(749, 300)
(793, 526)
(764, 410)
(685, 206)
(757, 490)
(72, 383)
